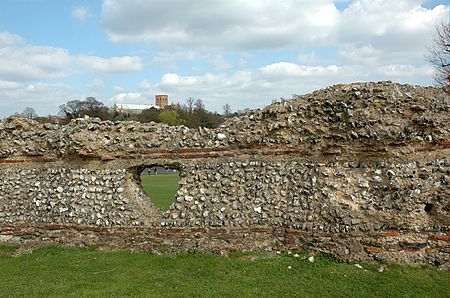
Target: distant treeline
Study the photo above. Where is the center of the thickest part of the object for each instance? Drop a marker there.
(191, 114)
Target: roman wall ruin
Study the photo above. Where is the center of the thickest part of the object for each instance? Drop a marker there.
(357, 171)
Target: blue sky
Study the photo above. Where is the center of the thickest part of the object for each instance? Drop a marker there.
(244, 53)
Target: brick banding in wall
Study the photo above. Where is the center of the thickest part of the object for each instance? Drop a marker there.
(337, 171)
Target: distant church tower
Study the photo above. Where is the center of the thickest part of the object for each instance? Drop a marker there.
(161, 101)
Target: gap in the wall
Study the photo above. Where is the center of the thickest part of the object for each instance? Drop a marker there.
(161, 184)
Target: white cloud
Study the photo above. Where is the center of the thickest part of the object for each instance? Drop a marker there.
(96, 85)
(21, 61)
(150, 89)
(251, 88)
(242, 62)
(238, 24)
(131, 98)
(81, 13)
(8, 85)
(270, 24)
(371, 40)
(169, 58)
(366, 40)
(28, 62)
(258, 87)
(220, 63)
(393, 27)
(45, 98)
(110, 65)
(8, 39)
(25, 67)
(173, 79)
(119, 89)
(401, 71)
(366, 54)
(308, 58)
(290, 69)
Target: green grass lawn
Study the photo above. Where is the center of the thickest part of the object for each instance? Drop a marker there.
(161, 189)
(58, 272)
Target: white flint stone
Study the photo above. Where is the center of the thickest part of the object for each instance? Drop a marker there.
(220, 136)
(363, 183)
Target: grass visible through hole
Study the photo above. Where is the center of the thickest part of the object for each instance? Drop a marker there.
(161, 189)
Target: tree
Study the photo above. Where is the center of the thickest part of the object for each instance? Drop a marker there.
(439, 55)
(71, 109)
(29, 113)
(227, 110)
(192, 114)
(79, 108)
(190, 104)
(199, 105)
(148, 115)
(170, 117)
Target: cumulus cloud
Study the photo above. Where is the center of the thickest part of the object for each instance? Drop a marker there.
(250, 88)
(169, 58)
(401, 28)
(281, 69)
(241, 44)
(21, 61)
(8, 39)
(237, 24)
(220, 63)
(96, 85)
(371, 40)
(401, 71)
(258, 87)
(308, 58)
(173, 79)
(130, 98)
(110, 65)
(28, 62)
(45, 98)
(81, 13)
(270, 24)
(8, 85)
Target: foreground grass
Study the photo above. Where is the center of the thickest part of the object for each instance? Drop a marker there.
(52, 271)
(161, 189)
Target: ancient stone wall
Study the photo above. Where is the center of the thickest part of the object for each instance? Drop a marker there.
(357, 171)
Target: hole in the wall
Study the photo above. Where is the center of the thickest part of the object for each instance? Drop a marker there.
(428, 207)
(160, 183)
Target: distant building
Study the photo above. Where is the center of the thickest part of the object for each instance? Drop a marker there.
(155, 170)
(132, 109)
(161, 101)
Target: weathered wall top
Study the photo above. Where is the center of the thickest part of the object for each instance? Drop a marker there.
(337, 120)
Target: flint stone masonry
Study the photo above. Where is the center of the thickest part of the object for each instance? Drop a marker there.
(358, 171)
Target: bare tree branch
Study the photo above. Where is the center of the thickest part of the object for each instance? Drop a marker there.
(439, 55)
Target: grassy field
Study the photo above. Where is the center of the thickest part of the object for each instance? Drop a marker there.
(58, 272)
(161, 189)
